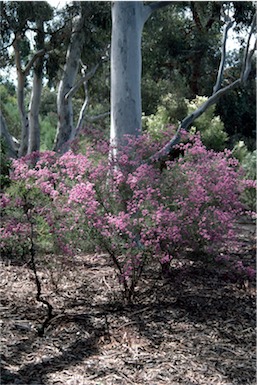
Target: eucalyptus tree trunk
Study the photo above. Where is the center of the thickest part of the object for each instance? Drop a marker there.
(64, 101)
(34, 127)
(11, 148)
(126, 111)
(21, 77)
(128, 19)
(23, 115)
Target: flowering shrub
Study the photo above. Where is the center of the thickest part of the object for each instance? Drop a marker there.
(207, 201)
(128, 207)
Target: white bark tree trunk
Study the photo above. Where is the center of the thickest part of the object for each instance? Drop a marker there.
(21, 77)
(64, 104)
(127, 26)
(34, 128)
(23, 115)
(11, 148)
(128, 19)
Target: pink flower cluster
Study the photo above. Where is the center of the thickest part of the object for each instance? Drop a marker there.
(129, 207)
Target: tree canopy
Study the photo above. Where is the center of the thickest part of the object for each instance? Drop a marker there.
(181, 52)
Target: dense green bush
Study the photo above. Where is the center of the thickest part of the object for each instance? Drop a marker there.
(5, 165)
(48, 126)
(210, 126)
(248, 161)
(172, 110)
(8, 105)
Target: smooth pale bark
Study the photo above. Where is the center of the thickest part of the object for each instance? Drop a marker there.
(21, 77)
(11, 148)
(34, 127)
(128, 19)
(64, 104)
(23, 115)
(82, 114)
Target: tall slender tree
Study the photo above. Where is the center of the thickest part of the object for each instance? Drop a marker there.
(88, 20)
(70, 71)
(17, 19)
(128, 19)
(34, 106)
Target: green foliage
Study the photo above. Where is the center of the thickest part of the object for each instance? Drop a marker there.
(249, 164)
(48, 126)
(240, 151)
(210, 126)
(174, 109)
(8, 104)
(237, 109)
(155, 124)
(26, 210)
(246, 158)
(248, 161)
(5, 166)
(179, 43)
(171, 111)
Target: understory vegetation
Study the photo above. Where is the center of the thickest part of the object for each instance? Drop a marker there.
(139, 213)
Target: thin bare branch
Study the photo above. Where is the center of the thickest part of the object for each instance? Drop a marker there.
(190, 119)
(151, 7)
(12, 149)
(82, 112)
(97, 117)
(84, 79)
(28, 67)
(223, 56)
(8, 45)
(187, 121)
(17, 54)
(248, 54)
(196, 16)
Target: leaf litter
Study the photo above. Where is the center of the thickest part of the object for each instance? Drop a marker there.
(196, 327)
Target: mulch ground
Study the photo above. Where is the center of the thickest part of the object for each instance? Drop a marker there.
(195, 328)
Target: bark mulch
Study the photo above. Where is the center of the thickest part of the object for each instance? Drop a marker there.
(196, 327)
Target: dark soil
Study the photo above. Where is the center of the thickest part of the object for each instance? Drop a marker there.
(196, 327)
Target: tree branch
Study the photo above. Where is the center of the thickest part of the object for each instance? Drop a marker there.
(17, 53)
(82, 111)
(247, 68)
(28, 67)
(248, 54)
(196, 16)
(187, 121)
(12, 151)
(82, 80)
(150, 8)
(214, 16)
(97, 117)
(223, 56)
